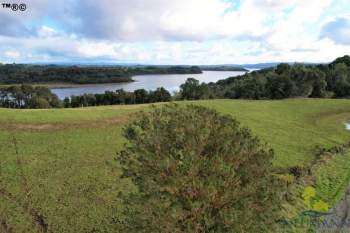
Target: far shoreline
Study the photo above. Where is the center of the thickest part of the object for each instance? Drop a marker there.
(62, 85)
(54, 85)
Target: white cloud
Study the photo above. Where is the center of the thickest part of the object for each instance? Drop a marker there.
(338, 30)
(45, 31)
(178, 31)
(12, 54)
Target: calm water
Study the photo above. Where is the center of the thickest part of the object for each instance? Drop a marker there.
(149, 82)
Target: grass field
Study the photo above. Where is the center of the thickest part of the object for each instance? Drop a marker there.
(60, 164)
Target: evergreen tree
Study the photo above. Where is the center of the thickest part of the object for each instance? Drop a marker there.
(196, 171)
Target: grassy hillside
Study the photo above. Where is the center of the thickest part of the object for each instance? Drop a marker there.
(59, 164)
(291, 127)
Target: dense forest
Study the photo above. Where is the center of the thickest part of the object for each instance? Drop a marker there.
(288, 81)
(31, 74)
(285, 81)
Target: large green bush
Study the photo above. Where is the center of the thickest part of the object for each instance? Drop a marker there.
(196, 171)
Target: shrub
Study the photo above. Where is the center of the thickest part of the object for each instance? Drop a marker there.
(196, 171)
(39, 102)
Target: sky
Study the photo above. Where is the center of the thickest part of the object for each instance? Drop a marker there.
(175, 31)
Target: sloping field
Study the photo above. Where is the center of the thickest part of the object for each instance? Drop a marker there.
(58, 171)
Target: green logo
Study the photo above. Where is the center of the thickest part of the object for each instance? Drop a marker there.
(315, 206)
(314, 214)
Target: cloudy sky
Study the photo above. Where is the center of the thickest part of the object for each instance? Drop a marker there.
(175, 31)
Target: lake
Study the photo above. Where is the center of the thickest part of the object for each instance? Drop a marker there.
(171, 82)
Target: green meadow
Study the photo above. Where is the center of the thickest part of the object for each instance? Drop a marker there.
(59, 165)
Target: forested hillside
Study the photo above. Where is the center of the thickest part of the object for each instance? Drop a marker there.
(286, 81)
(21, 73)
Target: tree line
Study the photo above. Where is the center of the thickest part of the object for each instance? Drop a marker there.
(26, 96)
(140, 96)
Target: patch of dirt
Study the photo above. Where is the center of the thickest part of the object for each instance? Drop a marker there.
(68, 125)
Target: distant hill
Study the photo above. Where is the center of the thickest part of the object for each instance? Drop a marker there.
(274, 64)
(260, 65)
(218, 67)
(257, 66)
(209, 67)
(239, 67)
(222, 68)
